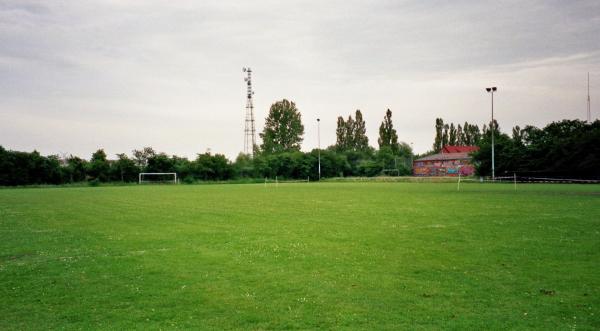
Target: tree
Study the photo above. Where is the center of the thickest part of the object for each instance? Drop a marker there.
(350, 126)
(517, 135)
(504, 152)
(76, 168)
(124, 169)
(244, 166)
(340, 132)
(99, 168)
(567, 149)
(183, 167)
(452, 135)
(445, 136)
(212, 167)
(141, 156)
(459, 136)
(351, 134)
(437, 142)
(387, 133)
(160, 163)
(361, 141)
(475, 134)
(283, 128)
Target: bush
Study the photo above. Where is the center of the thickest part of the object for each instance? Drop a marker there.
(188, 180)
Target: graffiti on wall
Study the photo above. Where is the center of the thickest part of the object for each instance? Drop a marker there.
(443, 168)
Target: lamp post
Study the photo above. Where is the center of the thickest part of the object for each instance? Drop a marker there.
(492, 90)
(412, 168)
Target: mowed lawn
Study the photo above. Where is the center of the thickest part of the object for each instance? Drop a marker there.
(301, 256)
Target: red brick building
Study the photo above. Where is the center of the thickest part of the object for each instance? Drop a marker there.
(451, 161)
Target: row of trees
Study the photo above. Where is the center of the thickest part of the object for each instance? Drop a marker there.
(22, 168)
(564, 148)
(278, 155)
(283, 131)
(569, 148)
(351, 134)
(451, 135)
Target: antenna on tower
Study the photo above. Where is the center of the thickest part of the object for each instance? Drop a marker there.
(589, 109)
(249, 131)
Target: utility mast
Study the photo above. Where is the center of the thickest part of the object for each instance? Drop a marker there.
(249, 131)
(589, 109)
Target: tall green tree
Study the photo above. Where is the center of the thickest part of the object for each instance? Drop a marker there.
(475, 134)
(99, 167)
(439, 128)
(517, 135)
(350, 126)
(361, 141)
(387, 134)
(351, 133)
(459, 136)
(283, 129)
(452, 135)
(340, 132)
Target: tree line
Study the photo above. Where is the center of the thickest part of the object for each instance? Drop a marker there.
(22, 168)
(278, 155)
(451, 135)
(568, 148)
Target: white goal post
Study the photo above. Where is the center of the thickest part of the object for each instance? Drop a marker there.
(150, 174)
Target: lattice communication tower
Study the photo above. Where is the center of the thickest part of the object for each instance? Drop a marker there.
(249, 131)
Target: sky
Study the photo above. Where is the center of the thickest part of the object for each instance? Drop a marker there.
(76, 76)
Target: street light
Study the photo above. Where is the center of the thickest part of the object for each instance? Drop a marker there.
(319, 144)
(412, 168)
(492, 90)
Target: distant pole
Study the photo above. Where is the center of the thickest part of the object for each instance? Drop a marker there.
(515, 179)
(589, 109)
(319, 144)
(411, 158)
(492, 90)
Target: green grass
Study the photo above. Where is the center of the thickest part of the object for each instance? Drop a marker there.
(301, 256)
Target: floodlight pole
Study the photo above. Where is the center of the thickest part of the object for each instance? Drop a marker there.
(319, 144)
(589, 112)
(492, 90)
(412, 158)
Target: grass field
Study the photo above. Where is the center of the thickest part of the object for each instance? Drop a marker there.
(301, 256)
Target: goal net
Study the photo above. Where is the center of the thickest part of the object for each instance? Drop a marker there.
(157, 177)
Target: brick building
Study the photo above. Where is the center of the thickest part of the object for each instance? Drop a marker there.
(451, 161)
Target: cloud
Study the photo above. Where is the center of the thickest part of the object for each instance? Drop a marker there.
(125, 74)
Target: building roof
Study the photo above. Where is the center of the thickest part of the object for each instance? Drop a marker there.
(445, 156)
(459, 149)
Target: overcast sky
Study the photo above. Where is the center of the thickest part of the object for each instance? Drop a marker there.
(76, 76)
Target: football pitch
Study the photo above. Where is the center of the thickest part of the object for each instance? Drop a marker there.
(379, 256)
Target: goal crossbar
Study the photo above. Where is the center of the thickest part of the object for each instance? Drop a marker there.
(142, 174)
